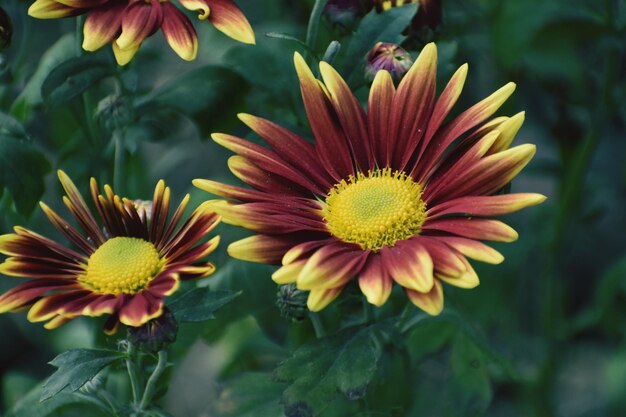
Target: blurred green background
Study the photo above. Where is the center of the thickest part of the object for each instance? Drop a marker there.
(552, 316)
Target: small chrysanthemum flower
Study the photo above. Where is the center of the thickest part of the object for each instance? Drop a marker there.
(389, 57)
(393, 194)
(127, 23)
(124, 269)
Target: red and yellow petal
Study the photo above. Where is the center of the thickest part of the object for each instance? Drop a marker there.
(265, 249)
(288, 274)
(379, 114)
(179, 32)
(375, 282)
(319, 298)
(230, 20)
(486, 205)
(410, 265)
(331, 266)
(412, 106)
(331, 144)
(474, 228)
(140, 20)
(51, 9)
(431, 302)
(102, 26)
(139, 309)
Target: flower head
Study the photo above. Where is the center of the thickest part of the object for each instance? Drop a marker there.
(127, 23)
(390, 57)
(391, 195)
(125, 268)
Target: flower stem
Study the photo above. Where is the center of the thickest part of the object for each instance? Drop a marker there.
(118, 164)
(152, 381)
(314, 23)
(132, 372)
(317, 325)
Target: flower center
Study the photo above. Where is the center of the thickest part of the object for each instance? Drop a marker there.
(375, 210)
(122, 265)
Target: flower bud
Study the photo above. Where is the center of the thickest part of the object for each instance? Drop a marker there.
(292, 302)
(345, 12)
(390, 57)
(155, 334)
(6, 29)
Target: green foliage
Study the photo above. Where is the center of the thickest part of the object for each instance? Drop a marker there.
(17, 151)
(61, 405)
(76, 368)
(344, 362)
(73, 77)
(200, 304)
(250, 395)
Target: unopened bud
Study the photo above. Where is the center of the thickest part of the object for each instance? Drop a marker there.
(292, 302)
(6, 29)
(155, 334)
(390, 57)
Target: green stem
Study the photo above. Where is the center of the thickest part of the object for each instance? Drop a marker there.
(119, 162)
(317, 325)
(314, 23)
(132, 372)
(368, 312)
(80, 20)
(152, 381)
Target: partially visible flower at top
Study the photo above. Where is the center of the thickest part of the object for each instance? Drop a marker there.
(428, 15)
(127, 23)
(124, 269)
(345, 12)
(389, 57)
(6, 29)
(400, 193)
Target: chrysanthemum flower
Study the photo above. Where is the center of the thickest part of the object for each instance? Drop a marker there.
(388, 195)
(127, 23)
(124, 268)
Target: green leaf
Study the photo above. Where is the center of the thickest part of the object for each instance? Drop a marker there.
(345, 362)
(59, 405)
(251, 395)
(200, 304)
(62, 50)
(470, 387)
(201, 92)
(375, 27)
(72, 77)
(76, 368)
(22, 165)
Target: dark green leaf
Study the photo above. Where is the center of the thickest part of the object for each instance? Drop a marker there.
(375, 27)
(73, 77)
(251, 395)
(59, 405)
(200, 304)
(61, 51)
(22, 165)
(470, 388)
(76, 368)
(345, 362)
(195, 91)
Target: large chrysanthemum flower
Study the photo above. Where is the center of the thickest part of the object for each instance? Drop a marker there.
(391, 195)
(127, 23)
(124, 269)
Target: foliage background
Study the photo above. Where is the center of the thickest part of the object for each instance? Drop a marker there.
(543, 335)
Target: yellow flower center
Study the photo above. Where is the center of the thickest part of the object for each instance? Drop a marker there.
(375, 210)
(122, 265)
